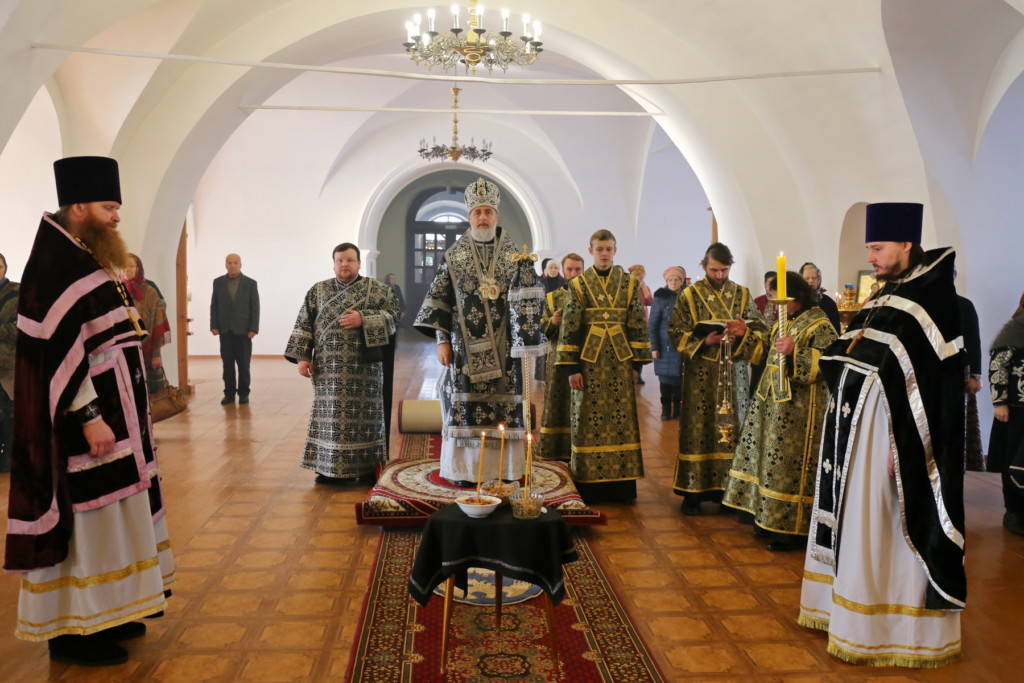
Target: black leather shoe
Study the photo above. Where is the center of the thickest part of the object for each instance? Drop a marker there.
(690, 508)
(758, 532)
(243, 399)
(87, 651)
(461, 483)
(787, 545)
(226, 400)
(132, 629)
(1013, 523)
(666, 412)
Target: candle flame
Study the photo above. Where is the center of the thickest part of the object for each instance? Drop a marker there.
(502, 426)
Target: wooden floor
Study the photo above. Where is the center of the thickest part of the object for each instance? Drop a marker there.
(273, 568)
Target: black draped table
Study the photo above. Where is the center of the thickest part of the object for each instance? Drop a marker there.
(531, 550)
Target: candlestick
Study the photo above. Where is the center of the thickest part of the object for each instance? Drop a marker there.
(480, 465)
(780, 276)
(501, 454)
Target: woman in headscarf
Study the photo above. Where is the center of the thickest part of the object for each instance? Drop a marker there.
(8, 334)
(551, 278)
(1006, 443)
(668, 362)
(153, 311)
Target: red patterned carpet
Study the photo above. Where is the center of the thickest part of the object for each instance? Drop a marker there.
(399, 642)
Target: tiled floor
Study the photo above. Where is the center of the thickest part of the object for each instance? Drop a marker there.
(273, 569)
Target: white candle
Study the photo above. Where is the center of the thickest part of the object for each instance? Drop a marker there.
(526, 25)
(480, 465)
(455, 16)
(430, 19)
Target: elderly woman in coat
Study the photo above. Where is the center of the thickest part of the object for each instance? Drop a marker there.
(668, 363)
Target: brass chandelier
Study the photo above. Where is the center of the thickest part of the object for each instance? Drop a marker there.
(474, 45)
(455, 151)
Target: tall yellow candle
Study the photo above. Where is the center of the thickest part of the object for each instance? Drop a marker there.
(480, 465)
(780, 276)
(501, 454)
(529, 460)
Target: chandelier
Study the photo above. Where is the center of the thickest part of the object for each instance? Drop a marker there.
(455, 151)
(474, 45)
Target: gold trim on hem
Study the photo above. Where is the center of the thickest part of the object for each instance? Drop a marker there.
(812, 622)
(701, 457)
(89, 581)
(606, 449)
(786, 497)
(885, 608)
(86, 630)
(911, 661)
(818, 578)
(555, 430)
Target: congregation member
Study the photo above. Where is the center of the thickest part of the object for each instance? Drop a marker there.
(1006, 443)
(551, 278)
(811, 274)
(153, 311)
(8, 334)
(773, 471)
(86, 528)
(556, 420)
(343, 327)
(884, 572)
(235, 319)
(974, 456)
(668, 365)
(468, 310)
(704, 455)
(603, 338)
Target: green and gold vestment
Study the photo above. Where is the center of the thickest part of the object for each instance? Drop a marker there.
(774, 469)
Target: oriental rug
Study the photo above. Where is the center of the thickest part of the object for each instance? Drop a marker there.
(410, 488)
(399, 642)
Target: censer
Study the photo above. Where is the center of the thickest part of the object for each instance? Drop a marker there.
(725, 414)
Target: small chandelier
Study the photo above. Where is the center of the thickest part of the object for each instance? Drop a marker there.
(455, 151)
(473, 46)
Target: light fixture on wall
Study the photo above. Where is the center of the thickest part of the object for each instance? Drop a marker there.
(455, 151)
(473, 45)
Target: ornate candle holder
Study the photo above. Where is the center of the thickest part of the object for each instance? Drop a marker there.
(783, 392)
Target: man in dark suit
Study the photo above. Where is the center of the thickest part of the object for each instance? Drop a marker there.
(235, 318)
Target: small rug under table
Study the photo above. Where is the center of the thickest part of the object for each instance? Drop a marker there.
(399, 642)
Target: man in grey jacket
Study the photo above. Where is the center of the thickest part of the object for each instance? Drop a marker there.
(235, 318)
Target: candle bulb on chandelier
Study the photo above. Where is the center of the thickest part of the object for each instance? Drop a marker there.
(536, 30)
(480, 17)
(504, 20)
(455, 16)
(526, 25)
(410, 31)
(430, 19)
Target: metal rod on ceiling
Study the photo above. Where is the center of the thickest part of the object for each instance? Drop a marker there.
(448, 78)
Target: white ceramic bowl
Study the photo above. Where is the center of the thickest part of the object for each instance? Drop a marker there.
(477, 509)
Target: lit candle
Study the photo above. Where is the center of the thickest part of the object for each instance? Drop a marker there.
(479, 16)
(480, 465)
(430, 19)
(416, 19)
(504, 20)
(526, 25)
(501, 453)
(536, 30)
(455, 16)
(780, 276)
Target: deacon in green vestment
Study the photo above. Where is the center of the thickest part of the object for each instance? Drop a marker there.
(555, 437)
(602, 340)
(704, 453)
(774, 469)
